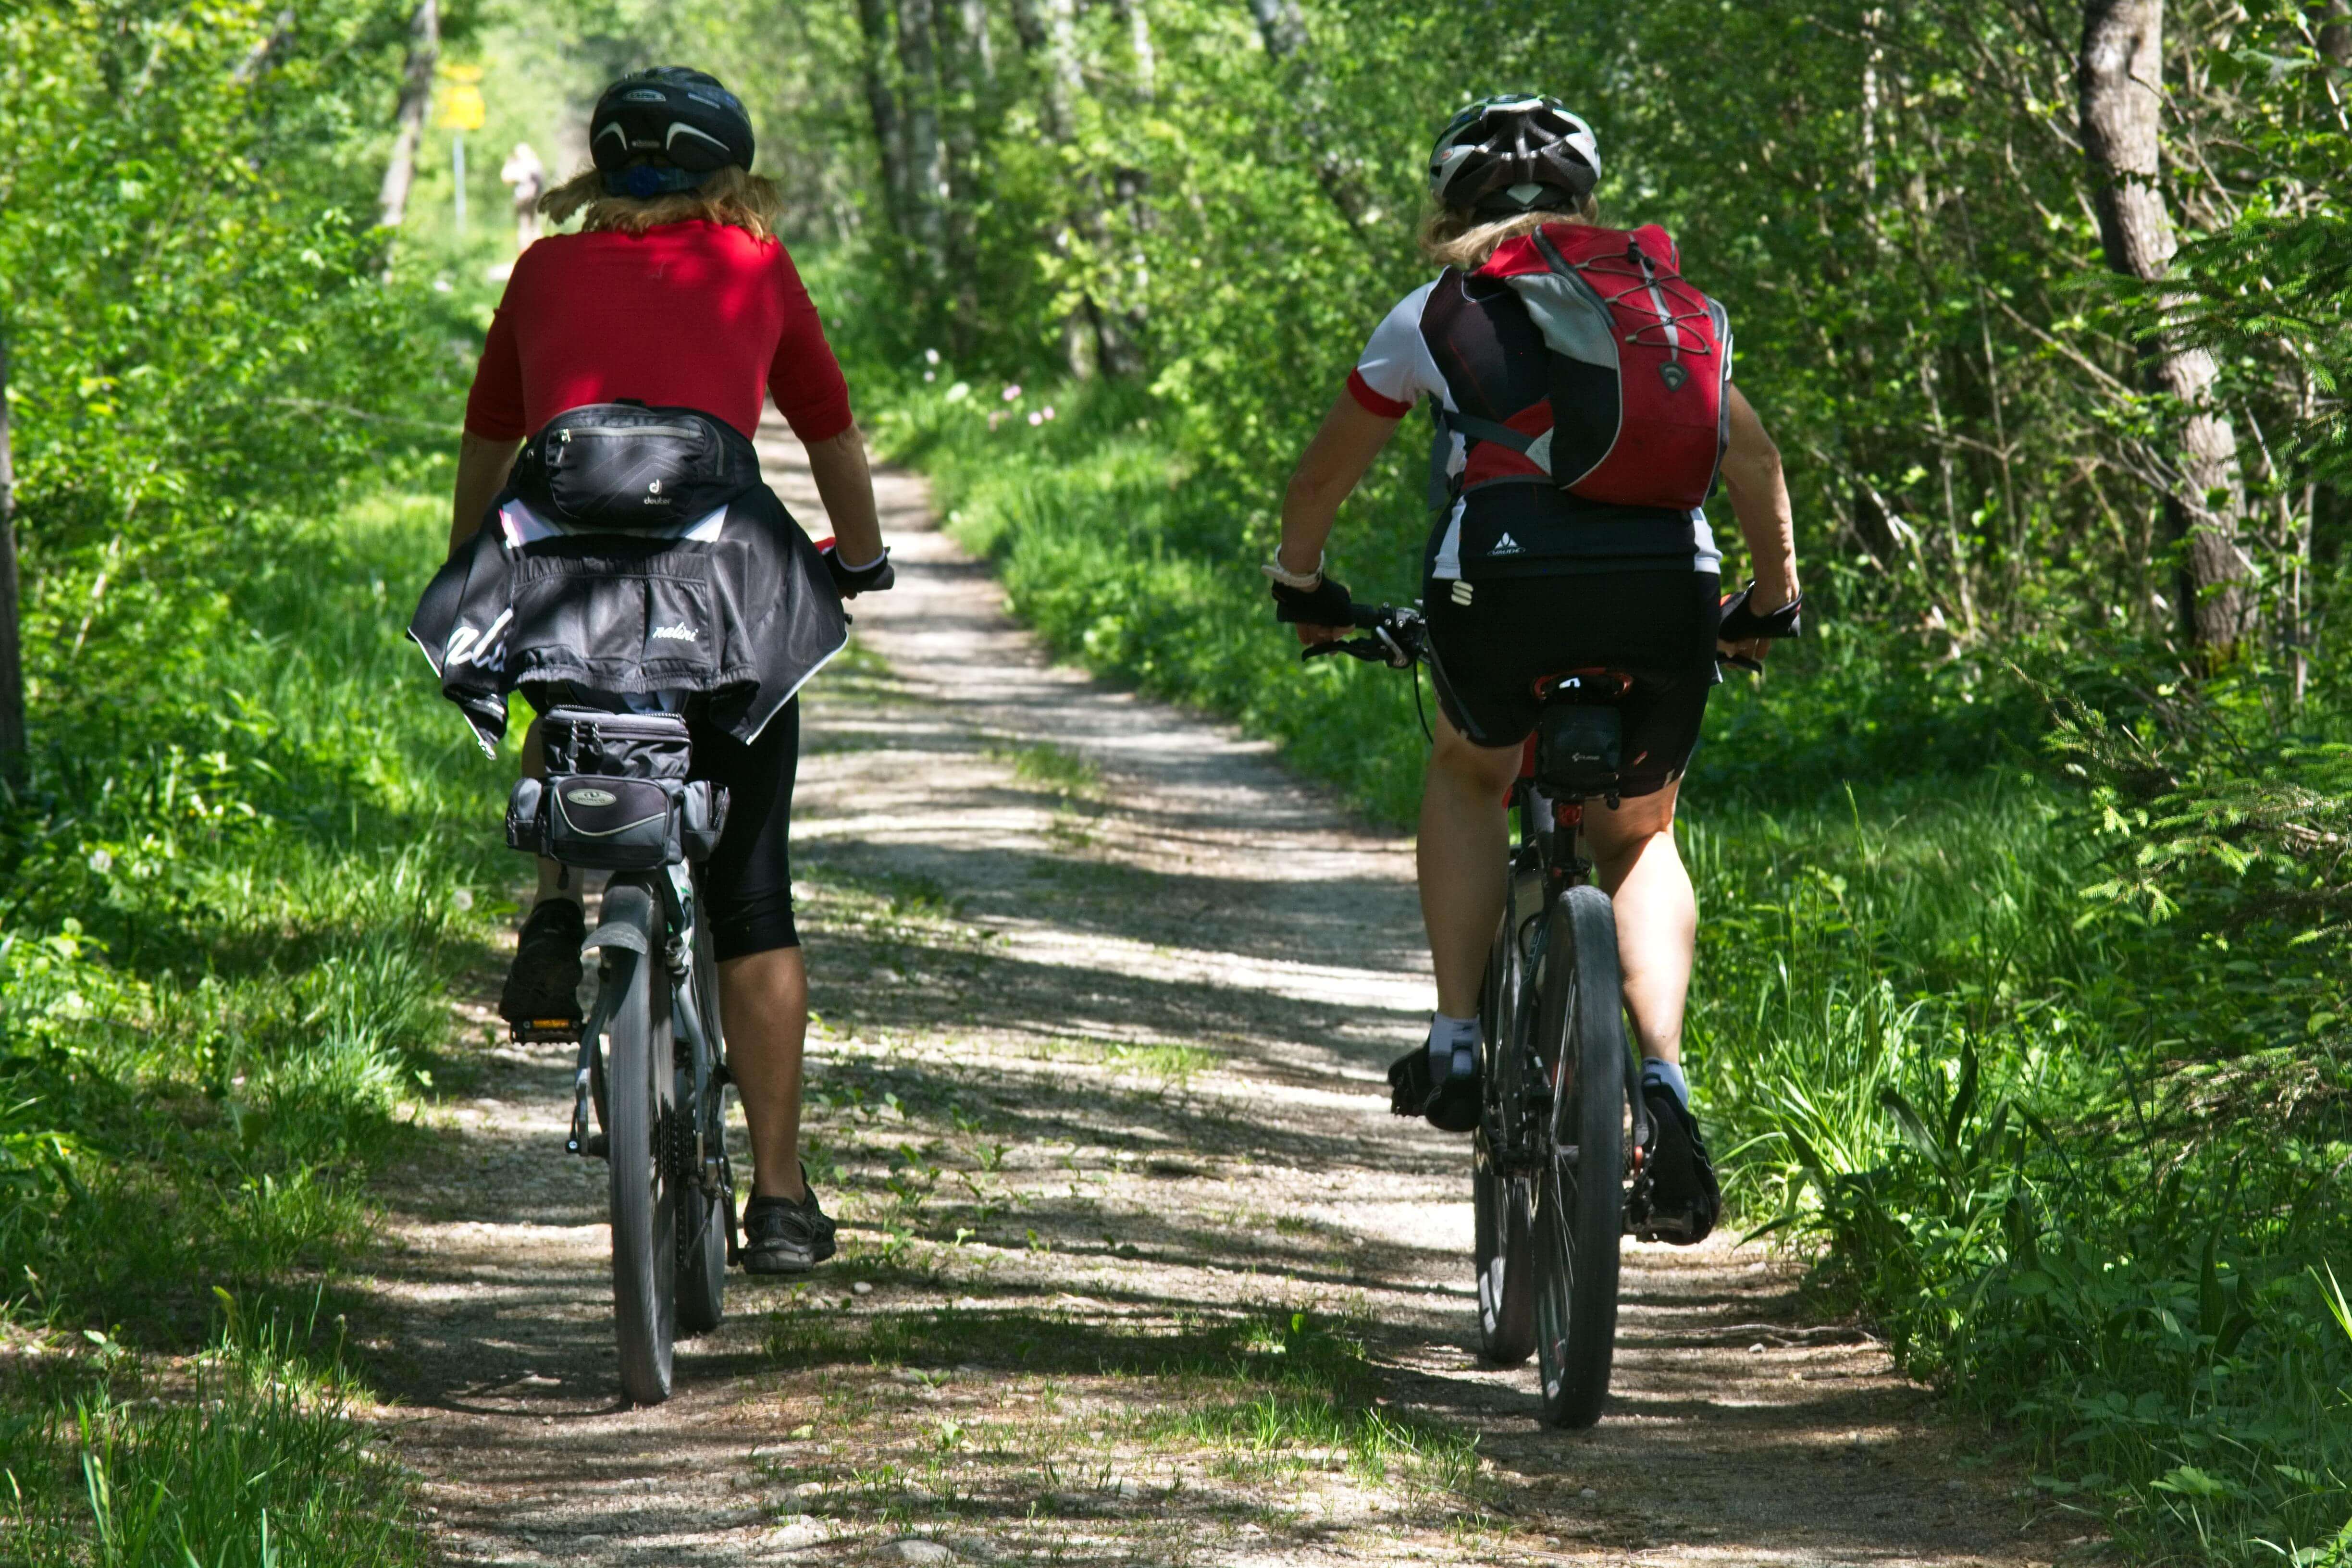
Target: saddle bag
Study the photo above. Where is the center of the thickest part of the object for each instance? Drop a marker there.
(623, 468)
(616, 797)
(1578, 750)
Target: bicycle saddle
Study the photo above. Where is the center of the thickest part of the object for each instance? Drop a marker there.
(1593, 684)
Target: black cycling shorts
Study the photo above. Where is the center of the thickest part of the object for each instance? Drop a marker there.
(747, 882)
(1655, 626)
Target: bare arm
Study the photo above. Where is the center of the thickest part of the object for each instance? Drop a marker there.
(1759, 500)
(482, 466)
(846, 484)
(1335, 462)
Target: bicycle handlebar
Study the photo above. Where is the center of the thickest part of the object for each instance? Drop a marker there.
(1400, 637)
(1399, 634)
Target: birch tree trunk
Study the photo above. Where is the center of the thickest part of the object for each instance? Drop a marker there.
(1049, 33)
(1280, 26)
(408, 118)
(1146, 61)
(882, 105)
(926, 175)
(12, 668)
(2119, 85)
(967, 75)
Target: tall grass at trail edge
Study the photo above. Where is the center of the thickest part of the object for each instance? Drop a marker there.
(2029, 1031)
(252, 860)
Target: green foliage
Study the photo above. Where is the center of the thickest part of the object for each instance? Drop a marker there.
(232, 906)
(239, 864)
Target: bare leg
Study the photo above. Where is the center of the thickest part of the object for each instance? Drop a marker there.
(1638, 866)
(1460, 853)
(763, 1002)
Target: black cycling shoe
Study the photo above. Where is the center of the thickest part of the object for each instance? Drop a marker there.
(543, 985)
(782, 1236)
(1684, 1200)
(1450, 1107)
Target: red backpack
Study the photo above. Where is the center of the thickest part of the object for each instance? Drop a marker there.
(1640, 364)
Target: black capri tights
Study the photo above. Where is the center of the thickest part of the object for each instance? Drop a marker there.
(747, 882)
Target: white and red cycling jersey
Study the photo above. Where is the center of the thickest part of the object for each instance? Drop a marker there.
(1465, 343)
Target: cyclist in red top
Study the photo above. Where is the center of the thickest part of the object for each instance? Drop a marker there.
(1526, 579)
(677, 293)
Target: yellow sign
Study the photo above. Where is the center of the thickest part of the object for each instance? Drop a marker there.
(462, 108)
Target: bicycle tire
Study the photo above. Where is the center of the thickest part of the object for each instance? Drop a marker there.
(643, 1198)
(702, 1236)
(1501, 1200)
(1580, 1196)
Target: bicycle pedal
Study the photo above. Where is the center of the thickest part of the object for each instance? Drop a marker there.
(593, 1147)
(545, 1032)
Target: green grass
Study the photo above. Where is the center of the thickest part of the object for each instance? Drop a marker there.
(250, 866)
(242, 1456)
(2079, 1158)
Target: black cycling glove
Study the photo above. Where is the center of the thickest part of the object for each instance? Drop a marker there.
(1324, 604)
(1739, 624)
(871, 578)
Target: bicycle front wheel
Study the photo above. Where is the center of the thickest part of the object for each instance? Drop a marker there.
(643, 1091)
(1501, 1197)
(1580, 1192)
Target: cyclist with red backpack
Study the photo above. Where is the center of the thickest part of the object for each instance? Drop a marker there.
(1584, 410)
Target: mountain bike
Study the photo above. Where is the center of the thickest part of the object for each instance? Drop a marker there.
(1556, 1172)
(650, 1084)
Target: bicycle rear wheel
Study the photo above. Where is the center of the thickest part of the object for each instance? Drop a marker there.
(1580, 1192)
(643, 1092)
(1502, 1197)
(703, 1216)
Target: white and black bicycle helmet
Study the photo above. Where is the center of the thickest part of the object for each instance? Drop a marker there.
(1516, 153)
(666, 129)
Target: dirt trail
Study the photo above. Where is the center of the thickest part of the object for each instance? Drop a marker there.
(1136, 1266)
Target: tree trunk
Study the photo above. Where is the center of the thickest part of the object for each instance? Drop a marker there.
(416, 98)
(918, 80)
(258, 60)
(1280, 26)
(874, 23)
(1146, 60)
(12, 669)
(971, 17)
(966, 74)
(2119, 85)
(2333, 18)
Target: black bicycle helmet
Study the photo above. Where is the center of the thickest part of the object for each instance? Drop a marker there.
(665, 130)
(1516, 153)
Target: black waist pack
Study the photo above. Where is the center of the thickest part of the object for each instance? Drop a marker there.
(623, 468)
(616, 797)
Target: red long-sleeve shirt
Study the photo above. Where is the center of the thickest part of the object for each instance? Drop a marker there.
(693, 315)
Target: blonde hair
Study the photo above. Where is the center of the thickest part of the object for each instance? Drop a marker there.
(730, 196)
(1452, 237)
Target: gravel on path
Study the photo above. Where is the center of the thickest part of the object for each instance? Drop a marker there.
(1136, 1267)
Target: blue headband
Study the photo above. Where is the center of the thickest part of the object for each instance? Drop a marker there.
(643, 181)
